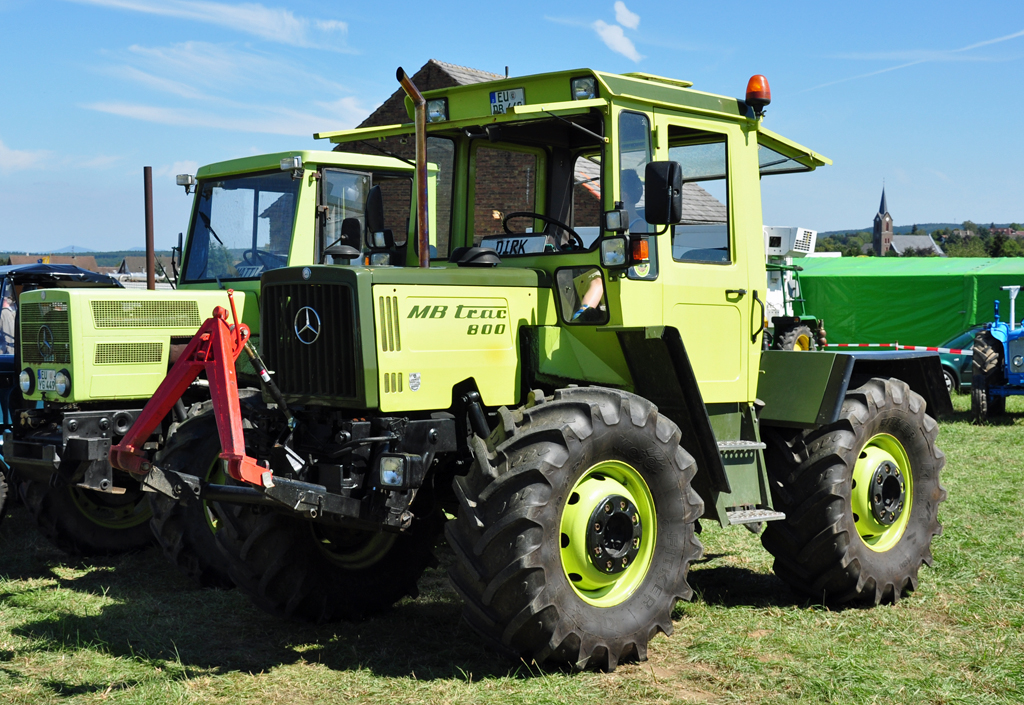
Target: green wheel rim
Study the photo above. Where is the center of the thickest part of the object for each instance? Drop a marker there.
(353, 549)
(880, 450)
(112, 511)
(588, 496)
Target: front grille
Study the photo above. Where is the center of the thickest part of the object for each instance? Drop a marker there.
(142, 313)
(45, 337)
(324, 365)
(127, 353)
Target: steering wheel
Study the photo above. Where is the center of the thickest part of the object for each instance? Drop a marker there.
(546, 219)
(281, 261)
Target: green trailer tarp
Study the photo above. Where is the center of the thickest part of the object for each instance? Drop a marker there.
(911, 301)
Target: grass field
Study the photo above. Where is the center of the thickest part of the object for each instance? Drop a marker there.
(132, 631)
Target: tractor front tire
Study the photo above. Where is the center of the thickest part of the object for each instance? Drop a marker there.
(185, 529)
(309, 572)
(861, 497)
(575, 529)
(987, 369)
(88, 523)
(4, 493)
(799, 337)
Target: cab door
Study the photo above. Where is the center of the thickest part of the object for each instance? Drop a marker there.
(706, 263)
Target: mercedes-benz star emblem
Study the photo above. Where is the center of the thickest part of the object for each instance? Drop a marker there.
(307, 325)
(44, 341)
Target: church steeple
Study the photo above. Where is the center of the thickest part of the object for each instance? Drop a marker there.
(881, 236)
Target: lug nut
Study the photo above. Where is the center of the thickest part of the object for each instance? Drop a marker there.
(597, 526)
(636, 519)
(597, 550)
(625, 561)
(608, 565)
(608, 508)
(636, 543)
(622, 504)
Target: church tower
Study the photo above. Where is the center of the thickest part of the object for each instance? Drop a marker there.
(881, 238)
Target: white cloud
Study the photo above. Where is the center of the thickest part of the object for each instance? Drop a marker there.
(624, 17)
(261, 119)
(20, 160)
(270, 23)
(183, 167)
(616, 40)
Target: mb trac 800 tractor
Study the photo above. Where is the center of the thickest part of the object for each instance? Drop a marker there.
(579, 383)
(90, 358)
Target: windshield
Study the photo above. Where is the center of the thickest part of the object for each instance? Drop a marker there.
(242, 228)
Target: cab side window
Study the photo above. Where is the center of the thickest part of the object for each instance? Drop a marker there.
(703, 235)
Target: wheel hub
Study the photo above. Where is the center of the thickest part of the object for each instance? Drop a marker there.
(614, 534)
(887, 493)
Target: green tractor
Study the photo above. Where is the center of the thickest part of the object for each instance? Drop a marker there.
(574, 372)
(92, 358)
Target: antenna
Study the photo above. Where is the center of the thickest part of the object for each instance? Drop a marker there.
(506, 72)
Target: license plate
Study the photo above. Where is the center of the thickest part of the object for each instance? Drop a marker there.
(502, 101)
(47, 381)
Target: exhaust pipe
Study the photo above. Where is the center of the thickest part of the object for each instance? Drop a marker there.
(422, 221)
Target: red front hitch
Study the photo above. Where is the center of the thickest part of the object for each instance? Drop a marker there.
(214, 349)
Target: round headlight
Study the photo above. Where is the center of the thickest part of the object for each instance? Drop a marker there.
(26, 381)
(1018, 361)
(62, 382)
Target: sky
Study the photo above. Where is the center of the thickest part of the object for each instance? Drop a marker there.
(924, 97)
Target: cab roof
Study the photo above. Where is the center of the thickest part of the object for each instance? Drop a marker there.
(551, 93)
(266, 162)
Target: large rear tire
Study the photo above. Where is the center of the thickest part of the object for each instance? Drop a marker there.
(89, 523)
(576, 529)
(987, 370)
(297, 569)
(861, 497)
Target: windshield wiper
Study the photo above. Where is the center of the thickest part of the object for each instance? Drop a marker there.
(206, 221)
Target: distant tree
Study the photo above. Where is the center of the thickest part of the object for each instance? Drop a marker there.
(913, 230)
(1013, 248)
(969, 226)
(1015, 226)
(966, 247)
(995, 245)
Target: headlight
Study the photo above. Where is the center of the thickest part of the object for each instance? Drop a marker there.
(392, 471)
(63, 383)
(1018, 361)
(584, 88)
(26, 381)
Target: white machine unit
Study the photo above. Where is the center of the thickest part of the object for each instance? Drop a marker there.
(781, 245)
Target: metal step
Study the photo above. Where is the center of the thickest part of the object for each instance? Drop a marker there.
(729, 449)
(753, 516)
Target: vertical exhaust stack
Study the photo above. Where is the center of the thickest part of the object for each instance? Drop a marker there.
(422, 203)
(147, 179)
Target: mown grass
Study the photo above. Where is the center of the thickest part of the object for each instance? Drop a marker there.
(131, 630)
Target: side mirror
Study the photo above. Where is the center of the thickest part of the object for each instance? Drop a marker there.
(663, 193)
(347, 246)
(374, 213)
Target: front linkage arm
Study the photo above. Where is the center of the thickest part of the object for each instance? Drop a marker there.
(214, 350)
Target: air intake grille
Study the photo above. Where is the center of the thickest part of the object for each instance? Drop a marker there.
(315, 365)
(127, 353)
(390, 335)
(45, 337)
(146, 314)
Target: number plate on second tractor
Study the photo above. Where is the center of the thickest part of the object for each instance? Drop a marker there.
(502, 101)
(47, 380)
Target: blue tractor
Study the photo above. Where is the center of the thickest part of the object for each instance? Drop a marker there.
(998, 363)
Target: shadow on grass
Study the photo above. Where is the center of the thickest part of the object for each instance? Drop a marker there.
(138, 607)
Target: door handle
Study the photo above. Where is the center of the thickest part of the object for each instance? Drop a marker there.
(738, 292)
(753, 338)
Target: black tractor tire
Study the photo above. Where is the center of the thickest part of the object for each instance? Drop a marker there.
(4, 491)
(185, 528)
(285, 564)
(799, 337)
(89, 523)
(821, 549)
(509, 542)
(987, 359)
